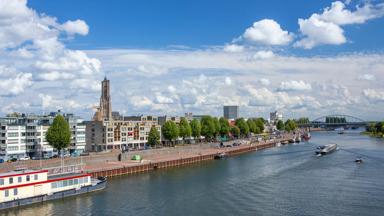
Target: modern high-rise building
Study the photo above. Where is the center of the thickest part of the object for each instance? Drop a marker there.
(231, 112)
(104, 111)
(275, 116)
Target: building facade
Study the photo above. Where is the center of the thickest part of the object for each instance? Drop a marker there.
(24, 135)
(231, 112)
(130, 133)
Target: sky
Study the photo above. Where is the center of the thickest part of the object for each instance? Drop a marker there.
(169, 57)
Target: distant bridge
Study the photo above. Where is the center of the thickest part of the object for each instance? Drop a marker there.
(334, 121)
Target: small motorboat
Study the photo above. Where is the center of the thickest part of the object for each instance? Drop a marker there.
(359, 160)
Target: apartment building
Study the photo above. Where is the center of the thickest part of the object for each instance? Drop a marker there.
(24, 135)
(129, 132)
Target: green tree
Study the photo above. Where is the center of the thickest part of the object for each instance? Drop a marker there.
(217, 126)
(235, 131)
(59, 134)
(224, 126)
(170, 130)
(290, 125)
(196, 128)
(243, 126)
(260, 124)
(208, 127)
(252, 126)
(185, 129)
(153, 137)
(280, 125)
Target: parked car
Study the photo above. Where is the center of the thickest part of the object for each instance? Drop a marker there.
(228, 145)
(24, 158)
(236, 144)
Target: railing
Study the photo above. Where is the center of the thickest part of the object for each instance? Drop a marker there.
(77, 168)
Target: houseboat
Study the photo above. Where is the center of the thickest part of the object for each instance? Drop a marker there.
(23, 187)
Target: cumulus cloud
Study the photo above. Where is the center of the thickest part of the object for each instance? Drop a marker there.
(263, 54)
(269, 32)
(368, 77)
(233, 48)
(48, 102)
(16, 84)
(76, 27)
(264, 81)
(325, 28)
(373, 95)
(294, 85)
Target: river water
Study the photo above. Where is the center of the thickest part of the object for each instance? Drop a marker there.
(286, 180)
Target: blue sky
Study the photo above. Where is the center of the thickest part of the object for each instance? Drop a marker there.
(199, 23)
(303, 58)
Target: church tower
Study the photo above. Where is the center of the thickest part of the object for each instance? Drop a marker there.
(104, 111)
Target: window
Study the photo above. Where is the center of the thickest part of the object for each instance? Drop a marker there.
(19, 179)
(85, 179)
(6, 193)
(36, 177)
(53, 185)
(15, 191)
(65, 183)
(28, 178)
(11, 180)
(1, 181)
(76, 181)
(70, 182)
(80, 180)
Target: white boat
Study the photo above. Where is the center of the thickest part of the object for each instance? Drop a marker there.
(23, 187)
(326, 149)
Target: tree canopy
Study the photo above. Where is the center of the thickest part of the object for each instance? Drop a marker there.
(153, 137)
(196, 128)
(235, 131)
(280, 125)
(290, 125)
(217, 126)
(59, 134)
(185, 129)
(208, 128)
(224, 126)
(243, 126)
(170, 130)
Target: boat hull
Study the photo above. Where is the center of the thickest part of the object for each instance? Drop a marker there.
(58, 195)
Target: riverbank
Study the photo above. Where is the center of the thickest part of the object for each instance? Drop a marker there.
(174, 158)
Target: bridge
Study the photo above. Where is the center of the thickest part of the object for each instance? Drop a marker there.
(335, 121)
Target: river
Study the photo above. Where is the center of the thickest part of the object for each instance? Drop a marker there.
(286, 180)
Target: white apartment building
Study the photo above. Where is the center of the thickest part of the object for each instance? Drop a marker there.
(24, 135)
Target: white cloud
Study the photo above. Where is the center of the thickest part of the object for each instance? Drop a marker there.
(325, 28)
(368, 77)
(228, 80)
(76, 27)
(48, 103)
(319, 32)
(265, 81)
(16, 84)
(263, 54)
(294, 85)
(54, 75)
(233, 48)
(374, 95)
(267, 32)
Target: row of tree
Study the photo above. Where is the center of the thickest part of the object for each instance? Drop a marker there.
(289, 125)
(209, 127)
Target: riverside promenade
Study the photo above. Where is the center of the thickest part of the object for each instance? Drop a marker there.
(111, 164)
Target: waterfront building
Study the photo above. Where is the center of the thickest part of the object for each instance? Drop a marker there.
(109, 130)
(275, 116)
(231, 112)
(163, 119)
(23, 135)
(130, 133)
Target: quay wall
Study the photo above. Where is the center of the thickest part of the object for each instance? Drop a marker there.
(145, 167)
